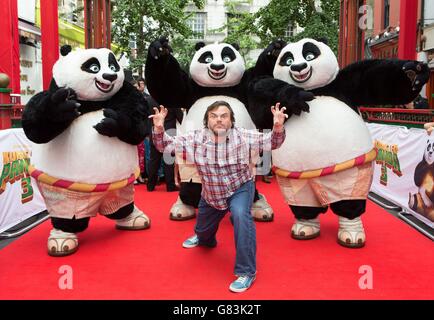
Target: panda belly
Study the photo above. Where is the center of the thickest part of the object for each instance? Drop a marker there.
(81, 154)
(194, 118)
(329, 134)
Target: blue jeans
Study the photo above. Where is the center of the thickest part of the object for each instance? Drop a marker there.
(209, 218)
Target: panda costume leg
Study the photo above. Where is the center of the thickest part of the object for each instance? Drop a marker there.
(351, 233)
(306, 224)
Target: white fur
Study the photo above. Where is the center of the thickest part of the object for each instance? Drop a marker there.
(67, 73)
(194, 118)
(324, 68)
(81, 154)
(329, 134)
(234, 69)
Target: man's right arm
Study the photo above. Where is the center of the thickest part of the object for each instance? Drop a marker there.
(166, 143)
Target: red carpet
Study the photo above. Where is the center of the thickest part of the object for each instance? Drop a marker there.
(151, 264)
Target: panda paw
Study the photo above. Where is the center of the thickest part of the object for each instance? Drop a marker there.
(274, 48)
(109, 126)
(160, 48)
(64, 107)
(295, 100)
(418, 73)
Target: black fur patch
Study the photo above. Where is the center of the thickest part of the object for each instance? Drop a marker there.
(309, 47)
(205, 55)
(65, 49)
(228, 52)
(199, 45)
(89, 63)
(112, 62)
(285, 57)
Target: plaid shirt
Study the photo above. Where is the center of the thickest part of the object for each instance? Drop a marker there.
(223, 167)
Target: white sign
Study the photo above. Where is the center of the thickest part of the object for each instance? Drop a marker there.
(30, 72)
(404, 169)
(19, 194)
(26, 10)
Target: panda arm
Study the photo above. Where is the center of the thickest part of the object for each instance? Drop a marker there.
(267, 59)
(264, 65)
(377, 82)
(130, 113)
(166, 81)
(263, 92)
(40, 123)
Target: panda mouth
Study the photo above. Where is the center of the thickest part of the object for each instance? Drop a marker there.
(300, 78)
(217, 75)
(103, 86)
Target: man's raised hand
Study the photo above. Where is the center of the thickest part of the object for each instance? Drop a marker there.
(158, 118)
(279, 116)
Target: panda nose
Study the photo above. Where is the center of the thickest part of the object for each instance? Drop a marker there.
(299, 67)
(110, 76)
(217, 67)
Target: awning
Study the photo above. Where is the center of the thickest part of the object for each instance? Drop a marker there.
(28, 30)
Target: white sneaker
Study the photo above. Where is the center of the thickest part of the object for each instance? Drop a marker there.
(351, 233)
(61, 243)
(305, 229)
(137, 220)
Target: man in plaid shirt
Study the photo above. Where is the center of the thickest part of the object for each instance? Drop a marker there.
(222, 155)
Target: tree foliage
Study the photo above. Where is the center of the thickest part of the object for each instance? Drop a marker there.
(142, 21)
(271, 21)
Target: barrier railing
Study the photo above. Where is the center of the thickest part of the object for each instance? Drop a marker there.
(396, 116)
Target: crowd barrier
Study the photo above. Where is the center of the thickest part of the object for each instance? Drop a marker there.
(19, 195)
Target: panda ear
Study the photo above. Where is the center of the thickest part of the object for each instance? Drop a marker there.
(323, 40)
(199, 45)
(236, 46)
(65, 49)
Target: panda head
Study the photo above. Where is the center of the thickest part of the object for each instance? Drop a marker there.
(308, 64)
(217, 65)
(429, 151)
(94, 74)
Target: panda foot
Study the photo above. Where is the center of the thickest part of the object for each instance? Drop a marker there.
(305, 229)
(351, 233)
(61, 243)
(137, 220)
(261, 210)
(181, 211)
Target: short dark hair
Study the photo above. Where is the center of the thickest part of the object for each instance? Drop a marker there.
(214, 106)
(141, 80)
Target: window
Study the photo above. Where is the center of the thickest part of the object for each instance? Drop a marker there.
(197, 24)
(232, 22)
(290, 31)
(386, 13)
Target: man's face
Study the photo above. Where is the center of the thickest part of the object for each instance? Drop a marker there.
(141, 86)
(219, 120)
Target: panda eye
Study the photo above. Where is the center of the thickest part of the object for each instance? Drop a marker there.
(289, 61)
(227, 59)
(113, 68)
(208, 59)
(94, 68)
(310, 56)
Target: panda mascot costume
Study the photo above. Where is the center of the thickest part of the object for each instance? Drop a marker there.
(85, 129)
(217, 72)
(327, 156)
(423, 201)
